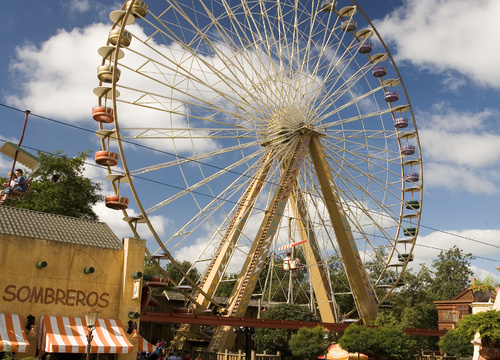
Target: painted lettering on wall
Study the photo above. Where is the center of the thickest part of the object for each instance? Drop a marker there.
(49, 296)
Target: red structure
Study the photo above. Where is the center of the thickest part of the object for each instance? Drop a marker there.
(450, 311)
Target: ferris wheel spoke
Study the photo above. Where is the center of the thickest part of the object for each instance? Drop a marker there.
(356, 100)
(378, 209)
(194, 158)
(350, 181)
(204, 215)
(341, 133)
(206, 180)
(187, 76)
(188, 133)
(219, 202)
(213, 94)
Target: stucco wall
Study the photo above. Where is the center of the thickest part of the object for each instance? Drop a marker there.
(62, 288)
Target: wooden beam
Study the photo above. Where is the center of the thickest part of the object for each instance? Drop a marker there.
(261, 323)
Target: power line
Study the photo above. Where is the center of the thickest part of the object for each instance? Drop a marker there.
(474, 256)
(218, 168)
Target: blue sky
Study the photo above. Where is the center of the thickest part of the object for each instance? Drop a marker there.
(445, 51)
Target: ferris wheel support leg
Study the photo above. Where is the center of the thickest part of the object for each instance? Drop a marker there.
(227, 244)
(362, 290)
(223, 337)
(319, 276)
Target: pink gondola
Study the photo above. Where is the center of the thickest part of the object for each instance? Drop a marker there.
(106, 158)
(102, 114)
(116, 202)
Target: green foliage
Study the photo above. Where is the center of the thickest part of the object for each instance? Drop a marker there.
(150, 268)
(456, 343)
(487, 323)
(340, 284)
(359, 339)
(452, 272)
(393, 343)
(175, 275)
(482, 285)
(60, 187)
(226, 285)
(309, 343)
(273, 340)
(413, 303)
(7, 354)
(387, 341)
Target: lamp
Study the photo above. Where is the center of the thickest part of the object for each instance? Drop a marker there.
(136, 275)
(30, 322)
(133, 315)
(90, 319)
(136, 336)
(131, 327)
(32, 333)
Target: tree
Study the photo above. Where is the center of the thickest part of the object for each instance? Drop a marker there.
(273, 340)
(59, 187)
(452, 272)
(458, 341)
(455, 343)
(175, 275)
(393, 343)
(359, 339)
(226, 285)
(386, 341)
(308, 343)
(340, 284)
(413, 303)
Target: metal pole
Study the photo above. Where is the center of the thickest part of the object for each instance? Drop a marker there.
(248, 350)
(20, 142)
(89, 341)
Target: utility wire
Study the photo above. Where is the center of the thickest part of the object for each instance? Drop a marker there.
(218, 168)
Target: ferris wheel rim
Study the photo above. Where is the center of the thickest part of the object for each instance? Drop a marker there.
(145, 214)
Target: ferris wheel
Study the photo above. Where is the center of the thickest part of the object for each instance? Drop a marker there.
(275, 138)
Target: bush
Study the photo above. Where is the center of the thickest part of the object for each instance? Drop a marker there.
(387, 341)
(308, 343)
(455, 343)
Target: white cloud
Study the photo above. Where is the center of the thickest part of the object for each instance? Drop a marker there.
(55, 76)
(444, 35)
(459, 178)
(79, 5)
(453, 84)
(474, 241)
(5, 161)
(461, 149)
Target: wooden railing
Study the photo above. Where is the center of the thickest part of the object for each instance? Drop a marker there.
(433, 355)
(240, 355)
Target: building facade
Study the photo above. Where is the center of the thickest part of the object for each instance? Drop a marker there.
(53, 269)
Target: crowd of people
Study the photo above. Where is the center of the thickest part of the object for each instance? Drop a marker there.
(162, 353)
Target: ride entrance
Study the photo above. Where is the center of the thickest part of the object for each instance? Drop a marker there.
(231, 118)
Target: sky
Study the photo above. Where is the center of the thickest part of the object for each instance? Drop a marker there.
(444, 49)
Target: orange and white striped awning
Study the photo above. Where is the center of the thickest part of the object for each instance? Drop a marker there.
(62, 334)
(144, 345)
(12, 334)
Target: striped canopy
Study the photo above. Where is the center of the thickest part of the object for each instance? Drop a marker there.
(12, 334)
(62, 334)
(144, 345)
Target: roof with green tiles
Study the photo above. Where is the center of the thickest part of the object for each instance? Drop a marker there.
(65, 229)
